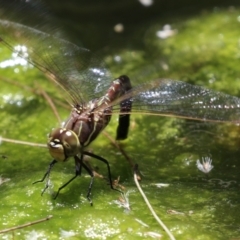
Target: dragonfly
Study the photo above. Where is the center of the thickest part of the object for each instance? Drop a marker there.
(94, 97)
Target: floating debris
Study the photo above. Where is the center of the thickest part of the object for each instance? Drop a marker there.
(206, 165)
(3, 180)
(123, 201)
(161, 185)
(141, 222)
(153, 235)
(173, 212)
(116, 184)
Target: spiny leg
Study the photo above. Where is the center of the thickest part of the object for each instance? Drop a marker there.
(108, 167)
(78, 167)
(90, 172)
(47, 174)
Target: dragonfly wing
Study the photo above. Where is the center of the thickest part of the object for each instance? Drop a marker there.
(81, 73)
(175, 98)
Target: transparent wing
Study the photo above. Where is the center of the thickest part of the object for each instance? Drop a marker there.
(175, 98)
(81, 73)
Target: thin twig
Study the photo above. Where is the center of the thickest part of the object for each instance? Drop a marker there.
(25, 225)
(150, 207)
(22, 142)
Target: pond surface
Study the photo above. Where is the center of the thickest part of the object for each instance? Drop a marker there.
(203, 50)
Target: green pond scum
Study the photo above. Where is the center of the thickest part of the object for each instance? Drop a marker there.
(205, 50)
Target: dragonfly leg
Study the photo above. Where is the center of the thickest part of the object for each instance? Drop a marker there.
(47, 174)
(108, 167)
(78, 167)
(90, 172)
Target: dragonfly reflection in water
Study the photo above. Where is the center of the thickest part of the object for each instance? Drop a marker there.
(95, 97)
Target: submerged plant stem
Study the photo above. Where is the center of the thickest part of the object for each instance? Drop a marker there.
(26, 225)
(150, 207)
(22, 142)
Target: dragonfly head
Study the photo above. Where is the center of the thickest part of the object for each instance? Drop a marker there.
(63, 143)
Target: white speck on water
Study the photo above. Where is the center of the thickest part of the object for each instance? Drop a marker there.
(146, 3)
(166, 32)
(66, 234)
(102, 230)
(119, 28)
(35, 235)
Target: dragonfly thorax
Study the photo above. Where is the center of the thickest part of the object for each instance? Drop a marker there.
(63, 143)
(87, 120)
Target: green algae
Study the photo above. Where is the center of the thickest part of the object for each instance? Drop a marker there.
(204, 51)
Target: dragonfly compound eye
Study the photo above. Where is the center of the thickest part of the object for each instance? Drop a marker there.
(62, 144)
